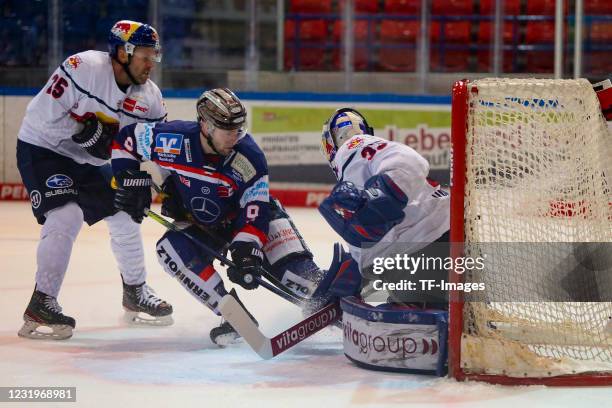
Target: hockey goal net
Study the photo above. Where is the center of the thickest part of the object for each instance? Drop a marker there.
(531, 168)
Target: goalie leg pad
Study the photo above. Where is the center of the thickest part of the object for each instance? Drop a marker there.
(340, 280)
(395, 338)
(180, 259)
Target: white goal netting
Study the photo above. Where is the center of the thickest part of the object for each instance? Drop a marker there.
(538, 175)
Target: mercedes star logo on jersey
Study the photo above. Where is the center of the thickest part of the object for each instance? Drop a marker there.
(204, 209)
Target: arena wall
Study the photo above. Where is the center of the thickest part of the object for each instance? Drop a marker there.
(287, 126)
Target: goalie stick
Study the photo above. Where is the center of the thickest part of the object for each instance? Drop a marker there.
(268, 347)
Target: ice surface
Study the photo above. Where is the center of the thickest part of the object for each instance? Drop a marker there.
(114, 365)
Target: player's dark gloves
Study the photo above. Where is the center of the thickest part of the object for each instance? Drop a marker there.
(248, 258)
(96, 137)
(133, 194)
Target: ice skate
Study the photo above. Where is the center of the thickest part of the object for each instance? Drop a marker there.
(224, 334)
(44, 320)
(144, 308)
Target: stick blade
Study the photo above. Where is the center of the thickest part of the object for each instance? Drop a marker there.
(234, 313)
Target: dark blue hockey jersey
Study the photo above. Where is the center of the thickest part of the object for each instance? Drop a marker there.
(229, 192)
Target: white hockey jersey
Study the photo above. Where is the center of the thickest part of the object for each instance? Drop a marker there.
(85, 83)
(428, 209)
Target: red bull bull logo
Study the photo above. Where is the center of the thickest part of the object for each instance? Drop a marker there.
(73, 62)
(124, 29)
(355, 143)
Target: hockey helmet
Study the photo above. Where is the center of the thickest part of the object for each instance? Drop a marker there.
(222, 108)
(132, 34)
(341, 126)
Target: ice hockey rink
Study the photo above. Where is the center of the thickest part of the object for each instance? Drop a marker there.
(111, 364)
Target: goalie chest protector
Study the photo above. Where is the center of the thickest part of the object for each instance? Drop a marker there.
(395, 338)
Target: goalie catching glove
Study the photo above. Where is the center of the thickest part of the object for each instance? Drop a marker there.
(361, 216)
(248, 258)
(133, 193)
(95, 137)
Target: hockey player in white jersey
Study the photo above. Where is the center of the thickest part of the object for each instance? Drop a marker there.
(383, 195)
(62, 153)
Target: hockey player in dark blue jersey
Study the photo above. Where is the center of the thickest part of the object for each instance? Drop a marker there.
(216, 186)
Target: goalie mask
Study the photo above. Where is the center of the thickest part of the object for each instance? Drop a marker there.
(341, 126)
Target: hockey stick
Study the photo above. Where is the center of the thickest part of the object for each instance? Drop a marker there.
(289, 295)
(268, 347)
(285, 294)
(233, 312)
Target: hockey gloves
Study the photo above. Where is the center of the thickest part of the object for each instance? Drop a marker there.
(133, 194)
(96, 137)
(247, 257)
(364, 216)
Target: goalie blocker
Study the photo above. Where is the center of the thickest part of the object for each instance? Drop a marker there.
(395, 338)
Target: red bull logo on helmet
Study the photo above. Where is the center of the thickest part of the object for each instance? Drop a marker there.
(125, 28)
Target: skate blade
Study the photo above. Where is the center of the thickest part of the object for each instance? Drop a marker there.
(30, 330)
(228, 339)
(141, 319)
